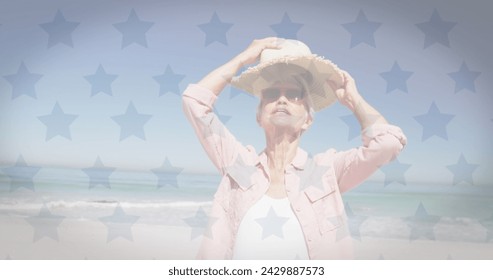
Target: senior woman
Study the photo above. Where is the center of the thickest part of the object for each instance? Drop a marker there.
(284, 203)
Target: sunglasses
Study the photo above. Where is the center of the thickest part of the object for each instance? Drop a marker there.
(273, 94)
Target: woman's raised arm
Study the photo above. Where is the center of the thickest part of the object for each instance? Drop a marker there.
(221, 76)
(349, 96)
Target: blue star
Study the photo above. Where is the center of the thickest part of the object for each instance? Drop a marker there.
(119, 224)
(133, 30)
(212, 125)
(354, 128)
(169, 82)
(21, 174)
(396, 78)
(241, 172)
(272, 224)
(286, 28)
(462, 170)
(45, 224)
(394, 172)
(234, 92)
(199, 223)
(58, 123)
(464, 78)
(60, 30)
(342, 230)
(355, 222)
(131, 123)
(101, 81)
(362, 30)
(215, 30)
(422, 224)
(436, 30)
(312, 175)
(223, 118)
(167, 174)
(99, 174)
(434, 123)
(23, 82)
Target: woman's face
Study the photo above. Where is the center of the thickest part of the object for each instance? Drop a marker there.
(283, 105)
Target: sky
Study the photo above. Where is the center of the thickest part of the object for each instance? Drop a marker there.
(98, 83)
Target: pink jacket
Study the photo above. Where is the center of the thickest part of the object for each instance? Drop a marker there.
(313, 184)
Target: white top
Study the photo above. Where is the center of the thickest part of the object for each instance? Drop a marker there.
(270, 230)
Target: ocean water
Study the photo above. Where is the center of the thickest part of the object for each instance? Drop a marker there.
(131, 207)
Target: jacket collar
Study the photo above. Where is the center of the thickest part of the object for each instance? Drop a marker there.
(298, 161)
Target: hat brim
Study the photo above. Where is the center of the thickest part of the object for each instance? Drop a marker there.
(254, 79)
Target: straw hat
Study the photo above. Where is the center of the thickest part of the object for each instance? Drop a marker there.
(294, 58)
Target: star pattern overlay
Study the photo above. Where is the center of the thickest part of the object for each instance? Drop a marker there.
(21, 174)
(101, 81)
(215, 30)
(99, 174)
(287, 28)
(45, 224)
(91, 115)
(422, 224)
(396, 78)
(354, 128)
(241, 172)
(132, 123)
(354, 222)
(133, 30)
(272, 224)
(213, 125)
(235, 92)
(462, 171)
(169, 82)
(436, 30)
(342, 230)
(464, 78)
(60, 30)
(23, 82)
(200, 224)
(362, 30)
(312, 175)
(119, 224)
(167, 174)
(434, 123)
(395, 171)
(223, 118)
(58, 123)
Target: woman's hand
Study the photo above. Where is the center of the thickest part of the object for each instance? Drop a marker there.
(347, 94)
(221, 76)
(252, 53)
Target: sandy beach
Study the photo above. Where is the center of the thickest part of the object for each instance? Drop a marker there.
(131, 231)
